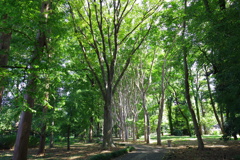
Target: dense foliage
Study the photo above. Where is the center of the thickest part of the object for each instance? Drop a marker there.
(119, 68)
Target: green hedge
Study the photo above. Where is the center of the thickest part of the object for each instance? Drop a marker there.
(108, 156)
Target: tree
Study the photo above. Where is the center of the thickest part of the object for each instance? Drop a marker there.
(21, 144)
(144, 70)
(187, 93)
(161, 103)
(100, 28)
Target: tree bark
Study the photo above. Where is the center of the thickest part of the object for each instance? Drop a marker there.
(51, 144)
(68, 136)
(196, 98)
(169, 106)
(187, 121)
(90, 134)
(21, 144)
(212, 103)
(107, 128)
(41, 149)
(203, 115)
(187, 94)
(161, 106)
(146, 120)
(187, 90)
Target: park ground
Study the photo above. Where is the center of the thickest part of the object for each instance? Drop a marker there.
(183, 148)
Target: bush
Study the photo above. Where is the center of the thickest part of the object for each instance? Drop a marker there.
(7, 141)
(177, 132)
(108, 156)
(225, 137)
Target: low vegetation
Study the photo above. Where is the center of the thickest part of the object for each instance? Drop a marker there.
(183, 147)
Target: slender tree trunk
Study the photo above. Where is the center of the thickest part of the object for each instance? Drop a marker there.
(51, 145)
(221, 116)
(169, 106)
(146, 120)
(198, 112)
(41, 149)
(187, 94)
(90, 134)
(213, 104)
(68, 136)
(203, 115)
(98, 129)
(187, 121)
(21, 144)
(196, 98)
(134, 129)
(187, 90)
(161, 106)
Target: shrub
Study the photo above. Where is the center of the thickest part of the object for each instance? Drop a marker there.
(177, 132)
(7, 141)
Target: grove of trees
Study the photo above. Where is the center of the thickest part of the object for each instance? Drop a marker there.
(124, 68)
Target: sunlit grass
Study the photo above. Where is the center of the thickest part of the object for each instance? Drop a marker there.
(182, 139)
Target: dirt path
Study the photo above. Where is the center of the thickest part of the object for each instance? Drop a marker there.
(144, 152)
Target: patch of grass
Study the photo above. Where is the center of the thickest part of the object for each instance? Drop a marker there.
(184, 138)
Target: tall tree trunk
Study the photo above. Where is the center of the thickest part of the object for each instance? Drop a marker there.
(161, 106)
(169, 106)
(90, 134)
(98, 129)
(212, 103)
(107, 128)
(187, 94)
(203, 115)
(134, 129)
(187, 90)
(146, 120)
(187, 121)
(51, 144)
(5, 39)
(68, 136)
(21, 144)
(196, 98)
(41, 149)
(198, 112)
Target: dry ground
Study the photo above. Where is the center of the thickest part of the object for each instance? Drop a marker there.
(78, 151)
(214, 150)
(180, 150)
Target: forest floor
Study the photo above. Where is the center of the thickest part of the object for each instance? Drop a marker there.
(182, 149)
(215, 149)
(78, 151)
